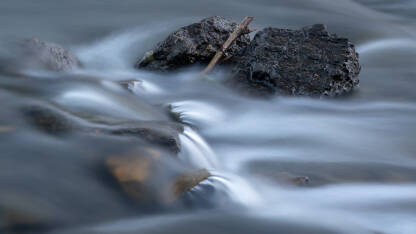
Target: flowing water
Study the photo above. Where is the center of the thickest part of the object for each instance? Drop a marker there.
(358, 151)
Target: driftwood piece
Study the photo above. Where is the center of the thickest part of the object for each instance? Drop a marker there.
(242, 28)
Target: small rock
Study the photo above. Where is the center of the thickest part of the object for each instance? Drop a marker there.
(188, 180)
(49, 56)
(289, 178)
(146, 180)
(195, 43)
(306, 62)
(132, 85)
(164, 134)
(48, 120)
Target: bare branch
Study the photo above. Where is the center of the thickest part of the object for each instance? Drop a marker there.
(241, 29)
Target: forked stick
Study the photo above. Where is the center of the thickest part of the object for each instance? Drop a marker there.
(241, 29)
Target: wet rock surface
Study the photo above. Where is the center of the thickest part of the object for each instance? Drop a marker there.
(306, 62)
(195, 43)
(42, 192)
(49, 56)
(146, 179)
(58, 123)
(48, 120)
(164, 134)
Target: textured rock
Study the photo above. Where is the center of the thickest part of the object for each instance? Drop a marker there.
(49, 56)
(195, 43)
(306, 62)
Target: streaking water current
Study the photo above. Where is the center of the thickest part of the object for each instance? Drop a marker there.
(358, 151)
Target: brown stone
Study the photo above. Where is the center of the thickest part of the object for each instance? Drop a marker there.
(148, 179)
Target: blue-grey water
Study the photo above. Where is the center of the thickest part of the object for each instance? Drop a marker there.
(359, 152)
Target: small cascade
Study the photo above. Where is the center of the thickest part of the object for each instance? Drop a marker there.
(223, 190)
(238, 189)
(198, 112)
(196, 151)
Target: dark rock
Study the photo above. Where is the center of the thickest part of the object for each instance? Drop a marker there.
(306, 62)
(48, 120)
(164, 134)
(58, 123)
(174, 115)
(195, 43)
(49, 56)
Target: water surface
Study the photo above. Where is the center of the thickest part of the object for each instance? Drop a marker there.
(358, 151)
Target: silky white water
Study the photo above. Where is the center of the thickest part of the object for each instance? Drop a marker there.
(358, 151)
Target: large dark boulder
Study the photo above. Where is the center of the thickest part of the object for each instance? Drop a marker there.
(306, 62)
(195, 43)
(49, 56)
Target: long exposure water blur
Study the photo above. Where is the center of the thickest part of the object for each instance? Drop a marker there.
(357, 151)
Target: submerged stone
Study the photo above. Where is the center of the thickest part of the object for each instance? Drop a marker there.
(72, 185)
(306, 62)
(58, 123)
(49, 56)
(48, 120)
(14, 222)
(147, 180)
(165, 134)
(195, 43)
(132, 85)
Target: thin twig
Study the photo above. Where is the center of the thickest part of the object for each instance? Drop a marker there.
(241, 29)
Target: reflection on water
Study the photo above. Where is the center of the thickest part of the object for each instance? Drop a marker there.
(357, 151)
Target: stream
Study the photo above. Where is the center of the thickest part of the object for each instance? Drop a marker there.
(358, 151)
